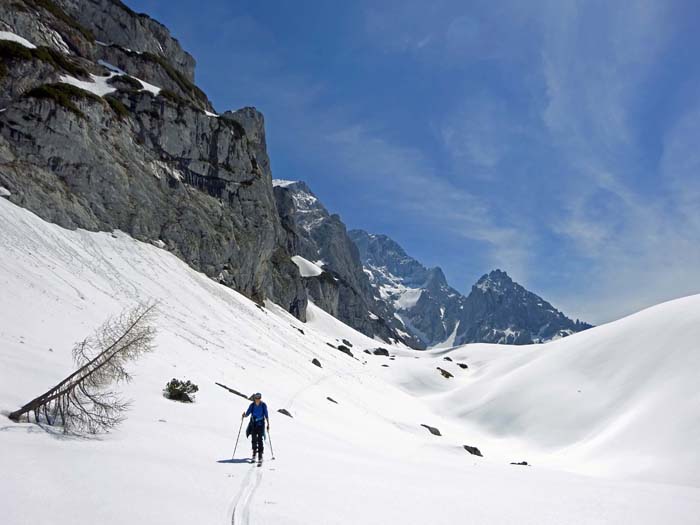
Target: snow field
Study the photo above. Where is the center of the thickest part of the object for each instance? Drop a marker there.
(363, 460)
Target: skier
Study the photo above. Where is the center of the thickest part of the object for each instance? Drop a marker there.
(258, 417)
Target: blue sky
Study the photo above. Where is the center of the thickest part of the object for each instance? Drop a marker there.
(558, 140)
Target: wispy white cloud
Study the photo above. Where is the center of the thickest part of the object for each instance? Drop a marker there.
(479, 134)
(406, 180)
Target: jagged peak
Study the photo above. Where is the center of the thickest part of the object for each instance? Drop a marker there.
(495, 281)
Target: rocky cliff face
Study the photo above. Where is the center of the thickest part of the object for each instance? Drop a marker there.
(497, 310)
(426, 305)
(101, 136)
(342, 289)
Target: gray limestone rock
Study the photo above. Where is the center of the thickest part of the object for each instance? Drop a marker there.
(112, 22)
(342, 289)
(426, 305)
(496, 311)
(156, 167)
(499, 310)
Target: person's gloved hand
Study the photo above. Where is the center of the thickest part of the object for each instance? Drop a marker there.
(243, 415)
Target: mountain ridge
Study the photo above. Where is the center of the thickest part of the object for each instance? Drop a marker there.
(101, 136)
(439, 315)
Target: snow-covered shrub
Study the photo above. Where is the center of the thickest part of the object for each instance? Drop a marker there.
(180, 390)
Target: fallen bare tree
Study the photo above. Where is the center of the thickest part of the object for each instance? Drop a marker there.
(83, 401)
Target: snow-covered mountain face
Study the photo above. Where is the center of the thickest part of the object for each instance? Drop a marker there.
(425, 304)
(340, 287)
(497, 310)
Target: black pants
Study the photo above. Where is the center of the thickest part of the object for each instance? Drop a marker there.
(257, 437)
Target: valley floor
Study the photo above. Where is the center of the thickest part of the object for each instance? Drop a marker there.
(364, 459)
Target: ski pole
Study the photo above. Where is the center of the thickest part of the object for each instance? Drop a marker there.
(270, 438)
(239, 437)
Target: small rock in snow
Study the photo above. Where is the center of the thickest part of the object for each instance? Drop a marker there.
(463, 366)
(345, 350)
(447, 358)
(347, 343)
(316, 362)
(332, 400)
(381, 351)
(433, 430)
(522, 463)
(285, 412)
(473, 450)
(445, 373)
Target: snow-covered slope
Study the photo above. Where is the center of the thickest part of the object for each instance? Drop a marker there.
(306, 267)
(622, 399)
(364, 459)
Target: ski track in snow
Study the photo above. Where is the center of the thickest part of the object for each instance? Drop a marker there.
(240, 515)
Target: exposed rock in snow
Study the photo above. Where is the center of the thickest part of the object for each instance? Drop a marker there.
(445, 373)
(345, 350)
(433, 430)
(473, 451)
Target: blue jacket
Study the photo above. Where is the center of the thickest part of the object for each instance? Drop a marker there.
(259, 412)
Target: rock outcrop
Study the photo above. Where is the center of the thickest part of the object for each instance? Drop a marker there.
(341, 286)
(102, 128)
(433, 430)
(427, 306)
(497, 310)
(474, 451)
